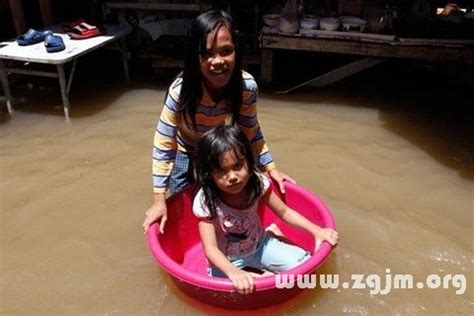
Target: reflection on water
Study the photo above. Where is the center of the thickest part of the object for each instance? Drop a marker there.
(392, 159)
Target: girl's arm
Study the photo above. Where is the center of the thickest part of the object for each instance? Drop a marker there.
(294, 218)
(242, 280)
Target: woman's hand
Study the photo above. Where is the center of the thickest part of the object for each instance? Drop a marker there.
(280, 177)
(155, 212)
(327, 234)
(242, 281)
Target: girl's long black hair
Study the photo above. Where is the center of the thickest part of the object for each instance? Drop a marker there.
(208, 158)
(191, 90)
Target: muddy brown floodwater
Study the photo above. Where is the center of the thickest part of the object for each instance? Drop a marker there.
(394, 161)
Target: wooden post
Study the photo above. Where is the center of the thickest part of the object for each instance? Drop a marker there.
(46, 14)
(18, 17)
(266, 65)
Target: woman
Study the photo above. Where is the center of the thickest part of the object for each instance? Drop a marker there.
(211, 91)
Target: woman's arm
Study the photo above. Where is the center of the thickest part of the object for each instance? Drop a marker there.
(165, 139)
(294, 218)
(280, 177)
(164, 153)
(242, 280)
(248, 123)
(155, 212)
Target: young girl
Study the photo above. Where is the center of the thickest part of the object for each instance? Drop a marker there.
(230, 188)
(211, 90)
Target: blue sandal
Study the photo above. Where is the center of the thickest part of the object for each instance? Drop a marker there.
(32, 37)
(54, 43)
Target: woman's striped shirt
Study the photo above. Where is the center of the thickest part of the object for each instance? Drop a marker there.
(173, 134)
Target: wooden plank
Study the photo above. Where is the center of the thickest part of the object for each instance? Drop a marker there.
(338, 74)
(345, 71)
(464, 54)
(351, 36)
(157, 6)
(436, 42)
(32, 72)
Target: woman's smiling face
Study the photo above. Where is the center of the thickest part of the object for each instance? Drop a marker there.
(218, 61)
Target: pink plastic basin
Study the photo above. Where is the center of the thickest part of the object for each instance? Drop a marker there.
(179, 251)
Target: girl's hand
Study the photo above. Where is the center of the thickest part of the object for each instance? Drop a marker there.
(327, 234)
(154, 213)
(280, 177)
(242, 281)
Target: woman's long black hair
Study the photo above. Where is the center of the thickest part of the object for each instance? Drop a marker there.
(191, 91)
(210, 151)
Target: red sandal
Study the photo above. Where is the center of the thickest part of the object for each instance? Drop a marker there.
(83, 30)
(68, 27)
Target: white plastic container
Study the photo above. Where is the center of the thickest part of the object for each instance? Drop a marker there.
(309, 23)
(353, 24)
(271, 20)
(329, 24)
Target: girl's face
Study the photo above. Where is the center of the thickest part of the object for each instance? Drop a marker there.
(218, 62)
(233, 174)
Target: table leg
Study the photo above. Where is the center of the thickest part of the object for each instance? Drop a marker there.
(63, 87)
(123, 50)
(71, 76)
(6, 86)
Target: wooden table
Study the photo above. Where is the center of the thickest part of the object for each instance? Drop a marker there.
(374, 49)
(36, 53)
